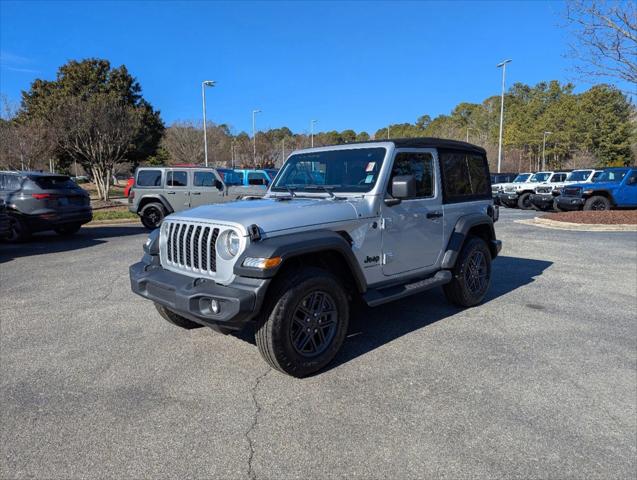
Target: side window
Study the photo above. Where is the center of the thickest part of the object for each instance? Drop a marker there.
(632, 180)
(177, 179)
(204, 179)
(465, 176)
(148, 178)
(2, 180)
(420, 165)
(558, 177)
(257, 178)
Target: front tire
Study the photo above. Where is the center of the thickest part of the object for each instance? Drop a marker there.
(152, 215)
(305, 326)
(175, 319)
(471, 275)
(597, 202)
(524, 201)
(556, 207)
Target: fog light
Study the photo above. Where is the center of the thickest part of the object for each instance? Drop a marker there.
(214, 306)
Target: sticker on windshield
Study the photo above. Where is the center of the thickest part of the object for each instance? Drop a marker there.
(369, 179)
(370, 167)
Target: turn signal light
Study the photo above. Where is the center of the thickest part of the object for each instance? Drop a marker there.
(262, 263)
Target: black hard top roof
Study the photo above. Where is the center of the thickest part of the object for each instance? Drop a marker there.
(34, 173)
(427, 142)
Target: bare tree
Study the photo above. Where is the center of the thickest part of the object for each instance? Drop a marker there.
(26, 146)
(604, 38)
(184, 142)
(98, 133)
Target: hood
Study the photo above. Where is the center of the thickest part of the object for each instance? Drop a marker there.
(595, 185)
(272, 215)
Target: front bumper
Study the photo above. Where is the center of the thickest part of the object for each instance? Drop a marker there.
(509, 199)
(570, 203)
(190, 297)
(542, 201)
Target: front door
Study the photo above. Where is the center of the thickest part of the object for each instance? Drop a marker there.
(627, 193)
(177, 189)
(205, 189)
(412, 231)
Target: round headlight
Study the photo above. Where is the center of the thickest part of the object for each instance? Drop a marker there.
(230, 243)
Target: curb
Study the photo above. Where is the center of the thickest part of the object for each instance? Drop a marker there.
(581, 227)
(104, 223)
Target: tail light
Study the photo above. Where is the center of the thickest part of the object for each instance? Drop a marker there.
(42, 196)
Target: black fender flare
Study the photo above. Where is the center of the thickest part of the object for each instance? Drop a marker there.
(155, 196)
(460, 233)
(601, 193)
(296, 244)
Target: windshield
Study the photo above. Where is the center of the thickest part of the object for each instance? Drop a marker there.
(540, 177)
(351, 170)
(578, 175)
(614, 176)
(523, 177)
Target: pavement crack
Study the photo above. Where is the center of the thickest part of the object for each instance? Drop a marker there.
(255, 420)
(111, 287)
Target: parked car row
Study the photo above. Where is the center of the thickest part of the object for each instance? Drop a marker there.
(37, 201)
(160, 191)
(583, 189)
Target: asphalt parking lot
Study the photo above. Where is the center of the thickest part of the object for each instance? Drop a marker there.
(538, 382)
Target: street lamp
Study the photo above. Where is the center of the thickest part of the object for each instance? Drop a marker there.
(546, 134)
(254, 137)
(204, 84)
(469, 128)
(504, 69)
(387, 133)
(312, 122)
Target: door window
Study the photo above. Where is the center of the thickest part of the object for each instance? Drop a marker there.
(257, 178)
(558, 177)
(204, 179)
(632, 180)
(420, 165)
(177, 179)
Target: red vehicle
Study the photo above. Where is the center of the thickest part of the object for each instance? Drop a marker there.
(129, 185)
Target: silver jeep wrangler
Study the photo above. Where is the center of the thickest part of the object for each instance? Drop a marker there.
(371, 222)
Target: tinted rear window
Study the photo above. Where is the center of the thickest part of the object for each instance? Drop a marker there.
(53, 182)
(465, 176)
(149, 178)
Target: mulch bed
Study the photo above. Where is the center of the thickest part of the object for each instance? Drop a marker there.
(610, 217)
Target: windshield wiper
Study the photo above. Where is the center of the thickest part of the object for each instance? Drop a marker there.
(290, 190)
(326, 188)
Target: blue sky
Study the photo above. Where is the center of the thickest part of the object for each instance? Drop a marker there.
(357, 65)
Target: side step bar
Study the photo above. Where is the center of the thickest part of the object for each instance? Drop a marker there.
(375, 297)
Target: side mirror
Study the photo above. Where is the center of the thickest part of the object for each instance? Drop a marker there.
(632, 181)
(218, 184)
(402, 187)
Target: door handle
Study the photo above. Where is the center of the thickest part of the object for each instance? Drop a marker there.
(170, 193)
(434, 214)
(195, 193)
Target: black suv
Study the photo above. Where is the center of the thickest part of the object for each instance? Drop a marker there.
(38, 201)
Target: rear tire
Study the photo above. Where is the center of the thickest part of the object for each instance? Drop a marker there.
(305, 325)
(471, 274)
(524, 201)
(176, 319)
(597, 202)
(152, 214)
(18, 230)
(68, 230)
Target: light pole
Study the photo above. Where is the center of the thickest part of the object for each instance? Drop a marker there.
(546, 134)
(469, 128)
(254, 137)
(204, 84)
(282, 150)
(387, 133)
(312, 122)
(504, 69)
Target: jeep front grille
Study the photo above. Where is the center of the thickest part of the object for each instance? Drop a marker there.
(571, 191)
(509, 189)
(191, 246)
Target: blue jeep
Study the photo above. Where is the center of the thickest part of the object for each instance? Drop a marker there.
(615, 188)
(255, 177)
